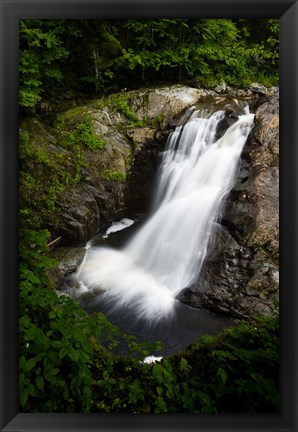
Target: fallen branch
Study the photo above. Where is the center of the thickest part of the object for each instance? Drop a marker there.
(54, 242)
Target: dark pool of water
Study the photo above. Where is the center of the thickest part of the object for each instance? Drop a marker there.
(177, 331)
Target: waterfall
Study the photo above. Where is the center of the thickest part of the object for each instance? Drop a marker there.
(167, 253)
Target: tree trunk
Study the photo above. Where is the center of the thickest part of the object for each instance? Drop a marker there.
(96, 68)
(143, 72)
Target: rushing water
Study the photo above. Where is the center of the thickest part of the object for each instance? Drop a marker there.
(139, 283)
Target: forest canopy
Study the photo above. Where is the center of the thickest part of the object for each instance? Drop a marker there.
(95, 57)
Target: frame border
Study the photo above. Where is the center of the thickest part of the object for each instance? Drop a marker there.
(13, 10)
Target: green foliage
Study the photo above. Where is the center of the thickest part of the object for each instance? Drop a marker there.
(41, 53)
(113, 175)
(85, 134)
(242, 366)
(134, 121)
(102, 56)
(58, 340)
(81, 136)
(56, 169)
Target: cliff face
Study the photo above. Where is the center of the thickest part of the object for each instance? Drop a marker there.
(241, 276)
(97, 161)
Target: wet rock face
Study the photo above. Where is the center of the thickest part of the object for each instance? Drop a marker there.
(252, 210)
(237, 281)
(86, 207)
(240, 276)
(232, 111)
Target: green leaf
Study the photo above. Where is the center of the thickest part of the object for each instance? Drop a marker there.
(32, 390)
(50, 372)
(159, 390)
(39, 383)
(64, 351)
(184, 366)
(52, 314)
(161, 405)
(57, 344)
(106, 375)
(86, 376)
(23, 397)
(222, 374)
(73, 354)
(29, 365)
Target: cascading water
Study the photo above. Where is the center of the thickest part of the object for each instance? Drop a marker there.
(166, 255)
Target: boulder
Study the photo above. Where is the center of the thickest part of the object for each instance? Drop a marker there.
(222, 87)
(141, 137)
(264, 142)
(69, 259)
(258, 88)
(163, 103)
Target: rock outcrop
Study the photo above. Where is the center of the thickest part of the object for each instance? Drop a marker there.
(240, 276)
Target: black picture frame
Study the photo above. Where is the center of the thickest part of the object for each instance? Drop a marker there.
(11, 12)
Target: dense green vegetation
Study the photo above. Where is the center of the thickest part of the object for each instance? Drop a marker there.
(66, 362)
(67, 57)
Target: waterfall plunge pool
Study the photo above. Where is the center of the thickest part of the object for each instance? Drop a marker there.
(184, 326)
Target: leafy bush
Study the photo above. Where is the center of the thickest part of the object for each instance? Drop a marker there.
(237, 371)
(57, 338)
(41, 55)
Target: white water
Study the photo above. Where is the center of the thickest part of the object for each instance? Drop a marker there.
(118, 226)
(167, 254)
